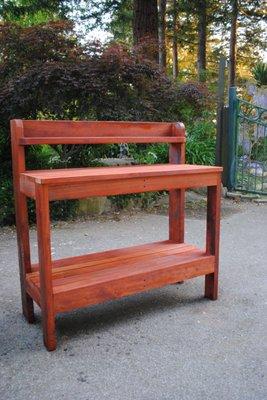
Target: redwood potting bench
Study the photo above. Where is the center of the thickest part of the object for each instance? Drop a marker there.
(69, 283)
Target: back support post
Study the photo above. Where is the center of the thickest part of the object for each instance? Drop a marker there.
(177, 196)
(18, 165)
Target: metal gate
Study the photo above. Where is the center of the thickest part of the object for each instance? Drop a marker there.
(247, 130)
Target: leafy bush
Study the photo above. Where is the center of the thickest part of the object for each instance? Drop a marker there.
(260, 73)
(155, 153)
(46, 74)
(200, 149)
(200, 142)
(195, 94)
(200, 145)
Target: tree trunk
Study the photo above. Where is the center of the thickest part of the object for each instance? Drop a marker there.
(162, 29)
(202, 39)
(175, 66)
(232, 55)
(145, 27)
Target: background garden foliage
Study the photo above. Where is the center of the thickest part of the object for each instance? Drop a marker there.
(45, 73)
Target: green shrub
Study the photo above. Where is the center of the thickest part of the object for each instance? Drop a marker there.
(200, 149)
(200, 145)
(260, 73)
(200, 142)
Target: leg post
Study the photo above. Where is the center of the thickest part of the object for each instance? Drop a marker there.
(22, 224)
(177, 196)
(176, 215)
(45, 266)
(212, 238)
(24, 254)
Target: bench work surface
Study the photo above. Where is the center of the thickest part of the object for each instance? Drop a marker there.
(117, 180)
(58, 176)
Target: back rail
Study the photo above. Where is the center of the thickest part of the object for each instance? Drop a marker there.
(100, 132)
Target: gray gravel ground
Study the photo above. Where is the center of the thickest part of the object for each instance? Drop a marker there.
(168, 344)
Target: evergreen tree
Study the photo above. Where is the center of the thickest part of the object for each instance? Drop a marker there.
(32, 12)
(145, 26)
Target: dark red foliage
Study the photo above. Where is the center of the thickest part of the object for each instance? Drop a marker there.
(194, 93)
(23, 47)
(46, 73)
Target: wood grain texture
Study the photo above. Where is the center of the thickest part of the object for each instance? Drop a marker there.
(117, 288)
(45, 264)
(18, 166)
(74, 282)
(85, 182)
(100, 140)
(117, 254)
(177, 196)
(213, 238)
(81, 175)
(125, 186)
(98, 129)
(108, 275)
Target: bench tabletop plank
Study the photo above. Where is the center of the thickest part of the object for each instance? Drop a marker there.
(61, 176)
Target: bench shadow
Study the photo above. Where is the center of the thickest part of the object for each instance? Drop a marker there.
(100, 317)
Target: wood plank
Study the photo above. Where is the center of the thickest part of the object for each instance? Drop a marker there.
(100, 140)
(96, 128)
(106, 267)
(93, 263)
(122, 253)
(79, 296)
(84, 182)
(131, 185)
(33, 290)
(27, 187)
(72, 175)
(102, 273)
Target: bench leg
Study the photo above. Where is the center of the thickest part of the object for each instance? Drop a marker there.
(22, 224)
(177, 196)
(212, 238)
(176, 217)
(24, 254)
(45, 266)
(27, 307)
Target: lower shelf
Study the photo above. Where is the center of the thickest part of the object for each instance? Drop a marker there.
(99, 277)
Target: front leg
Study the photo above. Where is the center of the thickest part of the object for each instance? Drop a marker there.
(212, 238)
(45, 266)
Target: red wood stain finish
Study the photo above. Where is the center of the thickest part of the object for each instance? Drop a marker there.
(45, 264)
(213, 238)
(18, 166)
(66, 284)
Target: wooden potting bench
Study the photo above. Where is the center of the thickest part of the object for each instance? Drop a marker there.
(69, 283)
